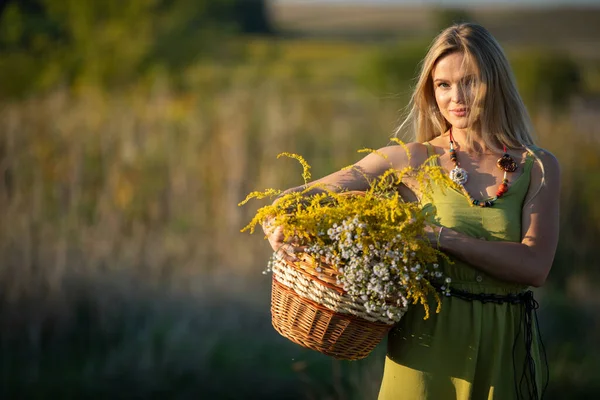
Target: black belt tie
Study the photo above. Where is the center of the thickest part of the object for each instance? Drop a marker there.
(529, 307)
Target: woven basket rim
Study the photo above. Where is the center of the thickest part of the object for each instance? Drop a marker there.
(311, 288)
(327, 277)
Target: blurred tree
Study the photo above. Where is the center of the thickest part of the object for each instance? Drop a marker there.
(111, 42)
(192, 29)
(392, 68)
(252, 16)
(450, 16)
(3, 4)
(547, 77)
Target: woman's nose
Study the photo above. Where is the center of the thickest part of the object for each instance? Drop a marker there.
(458, 94)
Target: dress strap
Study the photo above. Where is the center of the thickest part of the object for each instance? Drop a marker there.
(529, 161)
(430, 152)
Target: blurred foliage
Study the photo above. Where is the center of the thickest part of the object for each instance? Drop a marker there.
(109, 42)
(547, 77)
(393, 67)
(449, 16)
(130, 131)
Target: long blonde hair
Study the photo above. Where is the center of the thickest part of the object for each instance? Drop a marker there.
(497, 109)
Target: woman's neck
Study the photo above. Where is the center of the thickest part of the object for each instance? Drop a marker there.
(476, 145)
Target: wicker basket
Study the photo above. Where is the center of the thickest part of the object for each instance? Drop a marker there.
(311, 310)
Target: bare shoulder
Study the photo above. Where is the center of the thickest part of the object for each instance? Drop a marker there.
(545, 175)
(547, 165)
(412, 153)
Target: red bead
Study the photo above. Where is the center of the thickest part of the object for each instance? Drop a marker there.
(503, 188)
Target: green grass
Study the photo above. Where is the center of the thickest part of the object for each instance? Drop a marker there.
(114, 338)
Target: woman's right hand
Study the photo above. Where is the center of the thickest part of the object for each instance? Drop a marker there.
(277, 241)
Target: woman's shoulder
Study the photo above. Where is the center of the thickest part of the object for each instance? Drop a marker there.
(545, 172)
(538, 150)
(399, 145)
(546, 160)
(413, 153)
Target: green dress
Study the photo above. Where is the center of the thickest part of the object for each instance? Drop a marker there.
(471, 349)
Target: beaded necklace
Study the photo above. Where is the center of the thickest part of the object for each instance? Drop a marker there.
(506, 163)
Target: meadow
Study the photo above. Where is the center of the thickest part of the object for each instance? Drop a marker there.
(124, 273)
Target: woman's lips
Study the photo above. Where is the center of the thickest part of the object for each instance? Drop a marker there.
(459, 112)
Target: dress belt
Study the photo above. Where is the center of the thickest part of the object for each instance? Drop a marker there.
(529, 306)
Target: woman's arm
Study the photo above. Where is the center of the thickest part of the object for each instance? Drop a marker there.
(364, 171)
(529, 261)
(357, 178)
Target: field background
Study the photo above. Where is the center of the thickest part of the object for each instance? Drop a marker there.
(129, 134)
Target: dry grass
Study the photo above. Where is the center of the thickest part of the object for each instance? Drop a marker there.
(122, 261)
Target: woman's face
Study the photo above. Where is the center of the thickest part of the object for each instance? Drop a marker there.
(452, 85)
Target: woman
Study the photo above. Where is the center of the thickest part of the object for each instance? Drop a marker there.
(501, 230)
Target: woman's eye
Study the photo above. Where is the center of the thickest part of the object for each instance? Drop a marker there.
(443, 85)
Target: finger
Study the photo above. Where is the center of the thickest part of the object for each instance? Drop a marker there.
(289, 248)
(283, 252)
(300, 249)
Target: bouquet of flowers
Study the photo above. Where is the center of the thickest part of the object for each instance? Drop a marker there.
(365, 260)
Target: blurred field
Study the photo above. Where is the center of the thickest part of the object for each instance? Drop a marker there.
(124, 273)
(315, 18)
(571, 28)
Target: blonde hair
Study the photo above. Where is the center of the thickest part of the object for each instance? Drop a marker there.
(497, 109)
